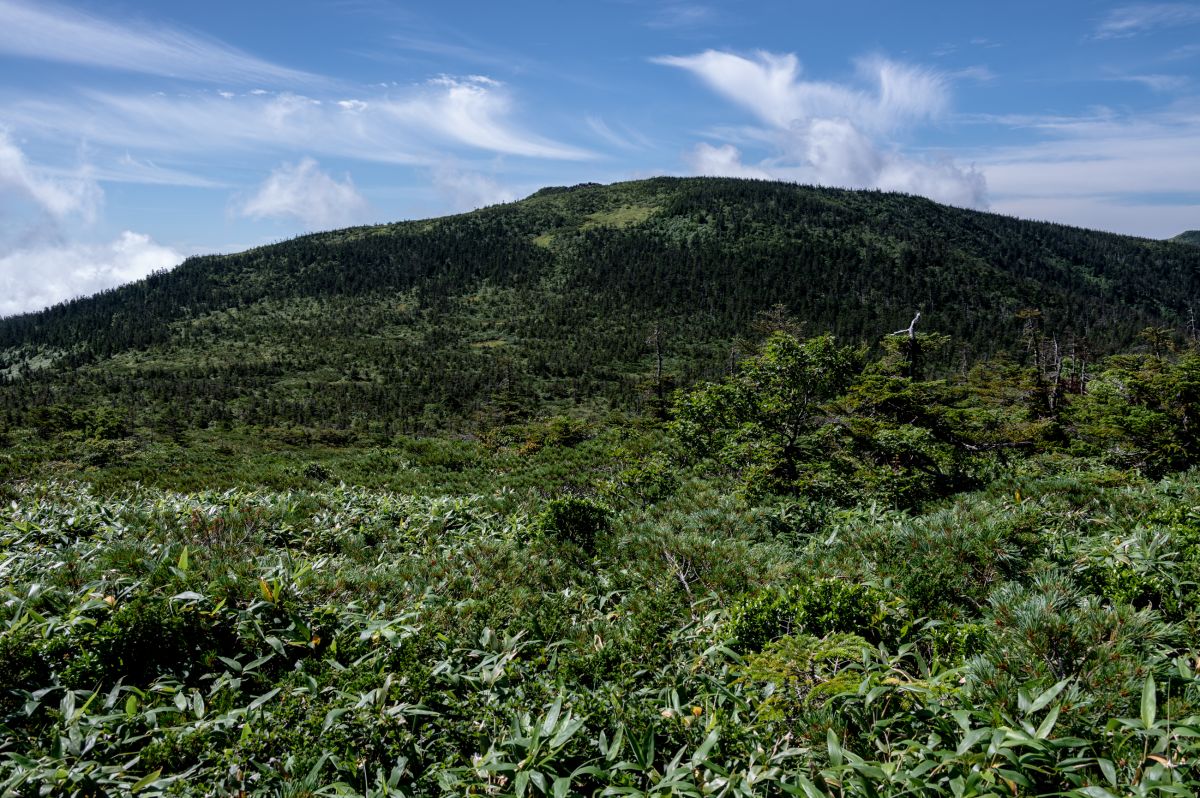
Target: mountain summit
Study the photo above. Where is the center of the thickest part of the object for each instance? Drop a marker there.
(573, 294)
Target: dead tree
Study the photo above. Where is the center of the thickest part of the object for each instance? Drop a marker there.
(656, 339)
(914, 347)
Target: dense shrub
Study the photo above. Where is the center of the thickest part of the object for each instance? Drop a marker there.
(1050, 632)
(819, 608)
(149, 638)
(573, 520)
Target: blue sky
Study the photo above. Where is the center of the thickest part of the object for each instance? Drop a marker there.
(133, 134)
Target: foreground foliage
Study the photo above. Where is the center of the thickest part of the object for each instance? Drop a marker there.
(353, 642)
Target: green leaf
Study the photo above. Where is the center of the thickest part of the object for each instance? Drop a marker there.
(1049, 695)
(614, 748)
(262, 699)
(566, 733)
(197, 705)
(183, 560)
(806, 788)
(835, 748)
(1047, 726)
(969, 739)
(552, 717)
(147, 780)
(331, 717)
(1094, 791)
(1149, 703)
(705, 747)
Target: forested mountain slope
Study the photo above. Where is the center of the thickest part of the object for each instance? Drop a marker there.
(416, 509)
(558, 298)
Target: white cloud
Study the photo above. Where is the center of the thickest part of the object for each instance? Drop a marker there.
(724, 160)
(831, 133)
(1134, 174)
(45, 274)
(127, 169)
(60, 196)
(1183, 53)
(978, 73)
(1158, 83)
(52, 32)
(1093, 158)
(415, 125)
(466, 190)
(770, 87)
(1132, 20)
(474, 111)
(682, 15)
(941, 179)
(302, 191)
(627, 139)
(1113, 213)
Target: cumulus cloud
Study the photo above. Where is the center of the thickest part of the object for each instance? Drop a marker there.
(39, 276)
(58, 196)
(304, 192)
(724, 160)
(52, 32)
(832, 133)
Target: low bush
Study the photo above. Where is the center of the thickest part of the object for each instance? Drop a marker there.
(574, 520)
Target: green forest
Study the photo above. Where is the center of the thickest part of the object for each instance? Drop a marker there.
(650, 489)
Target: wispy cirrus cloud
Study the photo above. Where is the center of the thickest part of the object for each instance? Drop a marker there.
(59, 195)
(302, 191)
(1158, 83)
(1183, 53)
(52, 32)
(411, 125)
(770, 86)
(475, 111)
(453, 47)
(127, 169)
(1132, 20)
(831, 133)
(626, 138)
(682, 15)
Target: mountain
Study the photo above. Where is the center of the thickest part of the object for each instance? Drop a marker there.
(1188, 237)
(565, 299)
